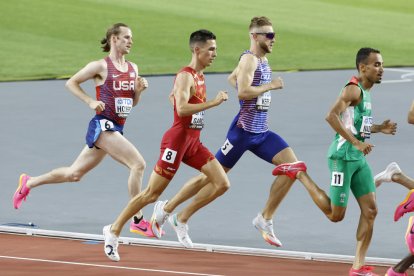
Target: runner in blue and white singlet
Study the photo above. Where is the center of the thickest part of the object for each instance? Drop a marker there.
(253, 114)
(249, 129)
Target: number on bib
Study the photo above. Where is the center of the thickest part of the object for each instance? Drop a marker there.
(169, 156)
(226, 147)
(366, 126)
(337, 179)
(106, 124)
(263, 101)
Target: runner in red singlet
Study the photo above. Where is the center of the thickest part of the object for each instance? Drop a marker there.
(181, 143)
(118, 89)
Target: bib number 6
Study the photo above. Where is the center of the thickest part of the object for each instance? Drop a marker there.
(106, 124)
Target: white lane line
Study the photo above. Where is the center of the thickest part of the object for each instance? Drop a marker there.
(108, 266)
(396, 81)
(407, 77)
(399, 70)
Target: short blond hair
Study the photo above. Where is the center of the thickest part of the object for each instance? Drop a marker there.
(259, 21)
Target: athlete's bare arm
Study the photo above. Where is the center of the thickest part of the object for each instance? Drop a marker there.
(140, 85)
(232, 78)
(411, 114)
(95, 70)
(244, 75)
(184, 89)
(387, 127)
(350, 96)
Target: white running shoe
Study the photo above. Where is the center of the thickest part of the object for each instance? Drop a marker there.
(265, 228)
(159, 217)
(386, 175)
(111, 244)
(182, 231)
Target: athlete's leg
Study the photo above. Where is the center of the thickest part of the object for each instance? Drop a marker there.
(87, 160)
(156, 185)
(281, 185)
(334, 210)
(393, 173)
(404, 264)
(218, 184)
(321, 199)
(367, 204)
(403, 179)
(123, 151)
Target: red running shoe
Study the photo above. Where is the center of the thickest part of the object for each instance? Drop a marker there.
(290, 169)
(362, 271)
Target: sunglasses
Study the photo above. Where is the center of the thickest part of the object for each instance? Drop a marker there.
(268, 35)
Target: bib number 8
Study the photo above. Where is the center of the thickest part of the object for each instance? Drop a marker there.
(169, 156)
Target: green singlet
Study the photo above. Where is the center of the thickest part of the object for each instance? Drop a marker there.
(348, 166)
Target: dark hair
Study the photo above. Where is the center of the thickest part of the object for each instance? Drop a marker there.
(201, 36)
(113, 30)
(259, 21)
(363, 55)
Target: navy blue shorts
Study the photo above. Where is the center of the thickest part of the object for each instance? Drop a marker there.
(264, 145)
(97, 125)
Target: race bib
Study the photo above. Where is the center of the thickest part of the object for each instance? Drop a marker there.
(123, 107)
(106, 124)
(197, 120)
(169, 156)
(226, 147)
(366, 125)
(263, 101)
(337, 179)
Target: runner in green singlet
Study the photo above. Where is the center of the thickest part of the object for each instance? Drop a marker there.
(350, 117)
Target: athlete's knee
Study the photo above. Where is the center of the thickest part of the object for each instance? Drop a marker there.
(370, 213)
(74, 176)
(150, 196)
(222, 186)
(139, 166)
(337, 216)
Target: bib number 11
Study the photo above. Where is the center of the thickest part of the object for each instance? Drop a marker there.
(337, 179)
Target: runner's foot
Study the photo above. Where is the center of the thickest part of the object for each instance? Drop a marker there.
(22, 191)
(159, 217)
(111, 244)
(182, 231)
(386, 175)
(265, 227)
(406, 206)
(290, 169)
(362, 271)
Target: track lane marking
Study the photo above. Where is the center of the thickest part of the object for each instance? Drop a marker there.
(108, 266)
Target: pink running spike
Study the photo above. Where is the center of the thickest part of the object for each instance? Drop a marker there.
(406, 206)
(143, 228)
(22, 191)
